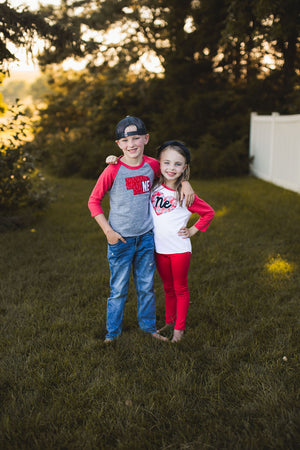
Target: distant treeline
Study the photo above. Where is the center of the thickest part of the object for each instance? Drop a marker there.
(220, 60)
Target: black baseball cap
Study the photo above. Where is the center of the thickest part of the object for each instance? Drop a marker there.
(130, 120)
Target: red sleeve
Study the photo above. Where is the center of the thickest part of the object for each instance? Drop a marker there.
(104, 183)
(154, 165)
(205, 212)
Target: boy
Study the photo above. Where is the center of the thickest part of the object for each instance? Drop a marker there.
(129, 229)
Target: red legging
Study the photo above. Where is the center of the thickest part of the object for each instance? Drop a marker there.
(173, 270)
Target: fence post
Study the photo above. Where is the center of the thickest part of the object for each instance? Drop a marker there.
(252, 118)
(272, 140)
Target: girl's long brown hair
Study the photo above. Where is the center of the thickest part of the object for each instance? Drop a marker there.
(183, 151)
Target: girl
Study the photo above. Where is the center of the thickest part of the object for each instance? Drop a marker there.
(171, 235)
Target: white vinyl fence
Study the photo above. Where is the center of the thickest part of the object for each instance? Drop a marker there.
(275, 148)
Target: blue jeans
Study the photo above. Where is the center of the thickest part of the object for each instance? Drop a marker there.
(138, 253)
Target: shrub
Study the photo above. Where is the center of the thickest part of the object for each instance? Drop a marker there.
(65, 157)
(210, 159)
(23, 189)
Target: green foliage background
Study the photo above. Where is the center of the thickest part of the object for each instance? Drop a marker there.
(214, 74)
(23, 189)
(213, 56)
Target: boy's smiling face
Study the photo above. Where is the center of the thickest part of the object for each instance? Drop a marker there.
(133, 146)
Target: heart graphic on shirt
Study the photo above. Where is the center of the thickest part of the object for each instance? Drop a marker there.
(163, 203)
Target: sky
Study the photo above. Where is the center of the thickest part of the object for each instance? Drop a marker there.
(32, 4)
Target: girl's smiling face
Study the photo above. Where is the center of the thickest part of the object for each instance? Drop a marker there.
(172, 166)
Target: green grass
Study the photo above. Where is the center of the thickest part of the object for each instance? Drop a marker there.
(225, 386)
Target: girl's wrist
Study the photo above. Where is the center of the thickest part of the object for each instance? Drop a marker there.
(193, 230)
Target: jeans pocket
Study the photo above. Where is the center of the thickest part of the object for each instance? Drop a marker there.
(114, 245)
(117, 250)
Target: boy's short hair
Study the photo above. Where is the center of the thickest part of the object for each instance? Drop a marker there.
(124, 123)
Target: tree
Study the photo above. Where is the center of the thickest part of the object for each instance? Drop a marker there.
(213, 74)
(76, 126)
(14, 89)
(2, 104)
(20, 27)
(23, 190)
(39, 89)
(257, 29)
(282, 32)
(185, 103)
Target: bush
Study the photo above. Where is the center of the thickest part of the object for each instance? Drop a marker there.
(23, 189)
(65, 157)
(212, 160)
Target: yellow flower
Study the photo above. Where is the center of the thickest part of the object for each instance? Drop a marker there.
(279, 267)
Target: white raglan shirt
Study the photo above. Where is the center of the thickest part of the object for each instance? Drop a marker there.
(168, 217)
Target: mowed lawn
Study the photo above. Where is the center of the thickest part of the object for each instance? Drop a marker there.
(232, 383)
